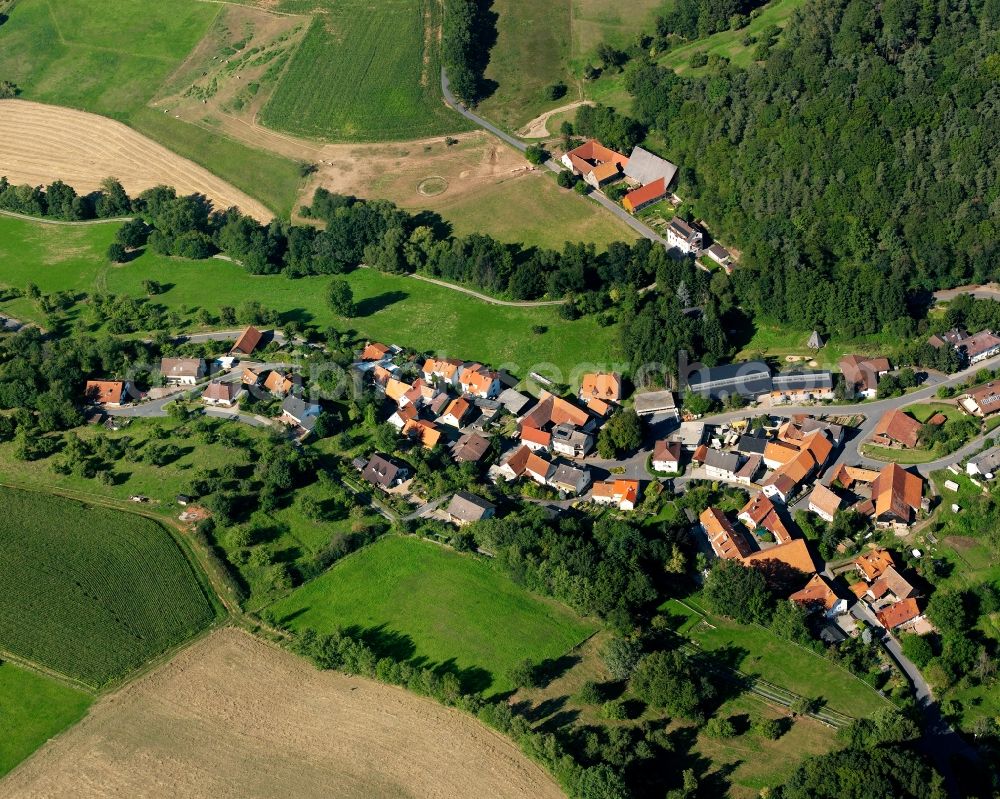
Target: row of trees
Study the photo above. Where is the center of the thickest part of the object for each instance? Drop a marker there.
(469, 32)
(60, 201)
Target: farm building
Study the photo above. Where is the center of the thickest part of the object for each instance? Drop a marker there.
(637, 199)
(247, 342)
(645, 168)
(595, 163)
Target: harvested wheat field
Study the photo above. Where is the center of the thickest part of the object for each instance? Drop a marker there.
(234, 717)
(40, 143)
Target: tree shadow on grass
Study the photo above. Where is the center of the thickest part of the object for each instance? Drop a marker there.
(554, 668)
(373, 305)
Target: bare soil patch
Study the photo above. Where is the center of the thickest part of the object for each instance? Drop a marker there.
(538, 128)
(41, 143)
(234, 717)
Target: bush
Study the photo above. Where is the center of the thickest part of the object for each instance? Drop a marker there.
(718, 727)
(615, 710)
(524, 674)
(116, 253)
(589, 693)
(582, 187)
(698, 59)
(555, 91)
(566, 179)
(772, 729)
(536, 154)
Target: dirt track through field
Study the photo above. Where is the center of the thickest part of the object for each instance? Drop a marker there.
(40, 143)
(232, 717)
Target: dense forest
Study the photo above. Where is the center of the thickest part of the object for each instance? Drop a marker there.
(855, 168)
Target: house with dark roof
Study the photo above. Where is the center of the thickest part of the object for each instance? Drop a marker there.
(384, 473)
(985, 464)
(718, 465)
(683, 236)
(466, 508)
(983, 401)
(801, 386)
(220, 394)
(720, 255)
(658, 402)
(569, 441)
(470, 448)
(296, 412)
(667, 456)
(569, 479)
(182, 371)
(644, 168)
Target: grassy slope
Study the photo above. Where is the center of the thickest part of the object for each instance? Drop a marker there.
(762, 654)
(33, 708)
(364, 73)
(399, 309)
(92, 592)
(437, 606)
(534, 211)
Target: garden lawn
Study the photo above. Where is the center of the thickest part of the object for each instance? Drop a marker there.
(760, 653)
(922, 411)
(437, 608)
(364, 72)
(107, 57)
(91, 592)
(33, 708)
(915, 455)
(398, 309)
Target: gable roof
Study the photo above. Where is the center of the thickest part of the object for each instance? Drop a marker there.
(396, 389)
(899, 427)
(664, 450)
(824, 499)
(859, 370)
(303, 412)
(105, 392)
(602, 386)
(899, 613)
(893, 582)
(181, 367)
(517, 460)
(248, 340)
(593, 150)
(648, 193)
(374, 351)
(220, 392)
(794, 553)
(277, 383)
(537, 465)
(381, 471)
(514, 401)
(536, 436)
(898, 492)
(684, 230)
(646, 168)
(458, 408)
(567, 475)
(717, 459)
(816, 593)
(469, 507)
(470, 448)
(555, 410)
(987, 398)
(757, 508)
(478, 381)
(425, 432)
(726, 541)
(979, 343)
(780, 452)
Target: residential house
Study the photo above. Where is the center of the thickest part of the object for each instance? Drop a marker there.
(727, 542)
(658, 402)
(438, 404)
(786, 481)
(645, 168)
(749, 379)
(466, 508)
(536, 440)
(718, 465)
(278, 384)
(778, 453)
(753, 444)
(985, 464)
(538, 468)
(456, 412)
(606, 386)
(374, 351)
(247, 342)
(299, 413)
(637, 199)
(683, 236)
(721, 256)
(793, 554)
(667, 456)
(980, 346)
(983, 401)
(569, 479)
(478, 381)
(219, 394)
(896, 428)
(512, 466)
(250, 378)
(109, 393)
(901, 615)
(861, 374)
(442, 370)
(403, 416)
(952, 338)
(182, 371)
(568, 441)
(552, 410)
(824, 503)
(599, 408)
(595, 163)
(891, 586)
(873, 564)
(819, 595)
(747, 473)
(423, 431)
(801, 386)
(760, 512)
(623, 493)
(470, 448)
(385, 473)
(849, 476)
(897, 495)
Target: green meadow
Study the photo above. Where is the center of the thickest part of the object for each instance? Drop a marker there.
(439, 608)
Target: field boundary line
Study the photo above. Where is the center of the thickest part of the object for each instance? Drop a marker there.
(6, 656)
(69, 222)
